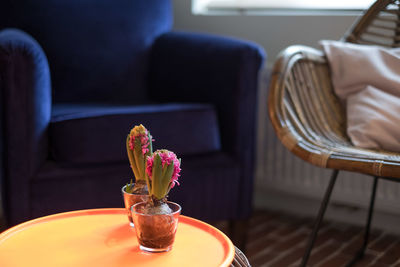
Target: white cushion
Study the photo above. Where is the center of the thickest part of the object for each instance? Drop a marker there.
(367, 80)
(373, 119)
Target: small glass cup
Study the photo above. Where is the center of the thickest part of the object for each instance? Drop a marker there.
(155, 232)
(131, 199)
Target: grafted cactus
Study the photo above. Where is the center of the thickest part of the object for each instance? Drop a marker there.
(163, 168)
(139, 147)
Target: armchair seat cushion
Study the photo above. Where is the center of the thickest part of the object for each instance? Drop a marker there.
(97, 133)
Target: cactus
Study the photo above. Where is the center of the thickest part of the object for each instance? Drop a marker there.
(163, 169)
(139, 147)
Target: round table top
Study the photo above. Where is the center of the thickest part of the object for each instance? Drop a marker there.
(103, 237)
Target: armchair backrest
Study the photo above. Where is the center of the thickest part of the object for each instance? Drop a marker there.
(97, 49)
(378, 26)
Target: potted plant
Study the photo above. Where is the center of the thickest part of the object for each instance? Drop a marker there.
(156, 219)
(139, 147)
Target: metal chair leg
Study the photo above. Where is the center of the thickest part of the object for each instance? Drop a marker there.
(360, 254)
(320, 217)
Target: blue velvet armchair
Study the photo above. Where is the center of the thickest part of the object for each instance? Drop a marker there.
(76, 76)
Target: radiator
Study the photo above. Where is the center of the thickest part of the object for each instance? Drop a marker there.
(279, 170)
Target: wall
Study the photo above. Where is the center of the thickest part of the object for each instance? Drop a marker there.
(273, 32)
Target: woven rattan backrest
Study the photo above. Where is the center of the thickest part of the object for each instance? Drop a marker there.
(380, 25)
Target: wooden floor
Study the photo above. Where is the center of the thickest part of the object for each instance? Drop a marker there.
(278, 240)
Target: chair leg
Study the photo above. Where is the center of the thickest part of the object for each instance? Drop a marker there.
(360, 254)
(238, 233)
(320, 217)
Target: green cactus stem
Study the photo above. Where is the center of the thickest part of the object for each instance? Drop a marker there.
(139, 146)
(163, 169)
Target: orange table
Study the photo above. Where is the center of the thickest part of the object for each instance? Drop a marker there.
(103, 237)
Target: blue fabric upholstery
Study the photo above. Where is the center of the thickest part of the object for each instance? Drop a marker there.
(98, 38)
(77, 125)
(78, 180)
(26, 107)
(113, 65)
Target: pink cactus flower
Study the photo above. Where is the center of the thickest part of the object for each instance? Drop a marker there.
(149, 165)
(144, 141)
(167, 157)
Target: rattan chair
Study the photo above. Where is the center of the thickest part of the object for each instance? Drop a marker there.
(310, 121)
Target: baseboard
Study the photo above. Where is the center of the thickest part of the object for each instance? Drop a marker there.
(303, 206)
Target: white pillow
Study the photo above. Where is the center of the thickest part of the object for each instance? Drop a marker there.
(367, 80)
(373, 119)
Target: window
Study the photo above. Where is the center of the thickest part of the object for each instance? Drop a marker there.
(201, 6)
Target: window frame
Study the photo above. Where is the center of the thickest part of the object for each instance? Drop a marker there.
(249, 7)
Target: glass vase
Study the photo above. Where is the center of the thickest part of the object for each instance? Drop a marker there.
(155, 232)
(139, 194)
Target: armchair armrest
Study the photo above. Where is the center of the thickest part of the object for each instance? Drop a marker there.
(189, 67)
(192, 67)
(26, 107)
